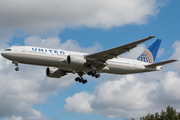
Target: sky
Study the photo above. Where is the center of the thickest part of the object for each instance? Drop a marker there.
(88, 26)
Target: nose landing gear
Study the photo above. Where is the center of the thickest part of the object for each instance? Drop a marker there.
(16, 64)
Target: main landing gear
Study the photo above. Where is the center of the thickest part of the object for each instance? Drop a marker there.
(80, 79)
(92, 73)
(16, 64)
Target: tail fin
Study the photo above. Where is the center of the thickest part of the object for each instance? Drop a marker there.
(150, 53)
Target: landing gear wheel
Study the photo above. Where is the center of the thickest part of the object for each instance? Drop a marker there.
(90, 73)
(77, 79)
(17, 68)
(80, 80)
(93, 73)
(84, 81)
(97, 75)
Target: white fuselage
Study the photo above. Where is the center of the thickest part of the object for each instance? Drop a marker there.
(57, 58)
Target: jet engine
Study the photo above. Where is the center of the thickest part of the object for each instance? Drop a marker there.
(76, 60)
(55, 72)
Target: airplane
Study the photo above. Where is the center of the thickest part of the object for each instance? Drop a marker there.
(60, 62)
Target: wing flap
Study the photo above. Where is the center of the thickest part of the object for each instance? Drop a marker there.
(160, 63)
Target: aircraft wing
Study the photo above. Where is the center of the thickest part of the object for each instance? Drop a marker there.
(98, 60)
(160, 63)
(114, 52)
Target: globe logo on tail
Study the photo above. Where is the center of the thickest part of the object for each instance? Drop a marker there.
(146, 56)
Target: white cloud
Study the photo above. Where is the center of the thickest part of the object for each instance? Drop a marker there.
(161, 51)
(130, 96)
(55, 42)
(176, 56)
(133, 96)
(49, 17)
(122, 97)
(176, 46)
(83, 106)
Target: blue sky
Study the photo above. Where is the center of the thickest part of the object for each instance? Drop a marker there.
(88, 26)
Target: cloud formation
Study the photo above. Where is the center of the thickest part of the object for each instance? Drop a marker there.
(55, 42)
(44, 16)
(130, 96)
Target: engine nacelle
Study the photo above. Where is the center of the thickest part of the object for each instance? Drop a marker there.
(55, 72)
(76, 60)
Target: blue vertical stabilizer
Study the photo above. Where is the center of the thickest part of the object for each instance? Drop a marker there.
(150, 53)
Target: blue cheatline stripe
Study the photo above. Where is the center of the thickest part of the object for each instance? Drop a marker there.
(150, 53)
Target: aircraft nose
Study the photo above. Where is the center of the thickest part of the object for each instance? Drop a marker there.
(3, 54)
(6, 55)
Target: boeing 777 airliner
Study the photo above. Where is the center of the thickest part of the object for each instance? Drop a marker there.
(60, 62)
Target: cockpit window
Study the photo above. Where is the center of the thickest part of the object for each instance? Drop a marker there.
(8, 50)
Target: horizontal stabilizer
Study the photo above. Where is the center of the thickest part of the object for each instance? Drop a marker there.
(160, 63)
